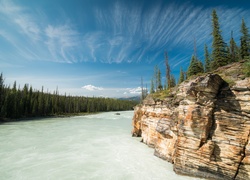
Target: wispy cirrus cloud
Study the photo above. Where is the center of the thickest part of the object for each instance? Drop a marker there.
(143, 35)
(34, 38)
(119, 33)
(61, 41)
(19, 17)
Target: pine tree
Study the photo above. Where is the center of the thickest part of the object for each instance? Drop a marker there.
(1, 89)
(181, 77)
(244, 41)
(14, 101)
(156, 70)
(168, 71)
(143, 95)
(159, 80)
(146, 91)
(173, 81)
(152, 88)
(233, 54)
(219, 53)
(1, 95)
(207, 59)
(191, 69)
(165, 85)
(200, 68)
(195, 67)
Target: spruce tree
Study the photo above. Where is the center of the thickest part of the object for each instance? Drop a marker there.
(219, 53)
(159, 80)
(173, 81)
(168, 71)
(1, 95)
(233, 50)
(156, 70)
(165, 85)
(195, 67)
(207, 59)
(181, 77)
(191, 69)
(1, 88)
(152, 88)
(244, 41)
(200, 68)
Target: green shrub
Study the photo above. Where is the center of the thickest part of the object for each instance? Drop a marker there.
(161, 94)
(247, 68)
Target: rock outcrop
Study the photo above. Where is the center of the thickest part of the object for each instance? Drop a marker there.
(203, 127)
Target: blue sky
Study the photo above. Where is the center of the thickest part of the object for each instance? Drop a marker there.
(104, 47)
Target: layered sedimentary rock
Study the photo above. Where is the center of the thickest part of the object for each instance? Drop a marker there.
(202, 127)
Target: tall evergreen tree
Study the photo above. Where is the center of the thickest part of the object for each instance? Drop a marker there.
(152, 88)
(200, 68)
(219, 53)
(233, 50)
(143, 95)
(181, 77)
(159, 80)
(165, 85)
(207, 59)
(168, 71)
(192, 66)
(1, 95)
(244, 41)
(195, 67)
(1, 89)
(156, 71)
(173, 81)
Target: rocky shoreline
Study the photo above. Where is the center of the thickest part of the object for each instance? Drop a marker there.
(202, 127)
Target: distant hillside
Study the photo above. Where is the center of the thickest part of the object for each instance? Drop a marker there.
(134, 98)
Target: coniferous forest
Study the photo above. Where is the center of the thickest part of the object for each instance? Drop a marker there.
(27, 102)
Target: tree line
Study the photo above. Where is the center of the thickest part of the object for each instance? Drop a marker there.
(27, 102)
(221, 55)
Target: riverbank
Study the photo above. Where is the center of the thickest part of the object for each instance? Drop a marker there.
(31, 118)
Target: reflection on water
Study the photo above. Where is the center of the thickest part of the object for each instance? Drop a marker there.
(88, 147)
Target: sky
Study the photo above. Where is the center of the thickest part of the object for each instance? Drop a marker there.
(104, 47)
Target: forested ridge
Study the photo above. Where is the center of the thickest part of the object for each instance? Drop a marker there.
(27, 102)
(221, 54)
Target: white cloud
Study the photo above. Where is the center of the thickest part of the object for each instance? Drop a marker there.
(132, 91)
(92, 88)
(135, 90)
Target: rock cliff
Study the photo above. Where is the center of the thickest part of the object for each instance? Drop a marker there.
(202, 127)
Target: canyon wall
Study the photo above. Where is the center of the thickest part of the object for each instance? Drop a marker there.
(202, 127)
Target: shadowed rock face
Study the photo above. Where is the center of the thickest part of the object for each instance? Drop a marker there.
(203, 129)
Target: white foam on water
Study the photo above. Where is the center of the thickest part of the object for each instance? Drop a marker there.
(94, 147)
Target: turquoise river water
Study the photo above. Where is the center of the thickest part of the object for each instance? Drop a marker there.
(94, 147)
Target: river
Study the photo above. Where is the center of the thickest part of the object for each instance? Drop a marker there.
(94, 147)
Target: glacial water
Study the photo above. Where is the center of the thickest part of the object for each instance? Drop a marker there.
(94, 147)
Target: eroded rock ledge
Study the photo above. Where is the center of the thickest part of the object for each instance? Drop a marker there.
(202, 128)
